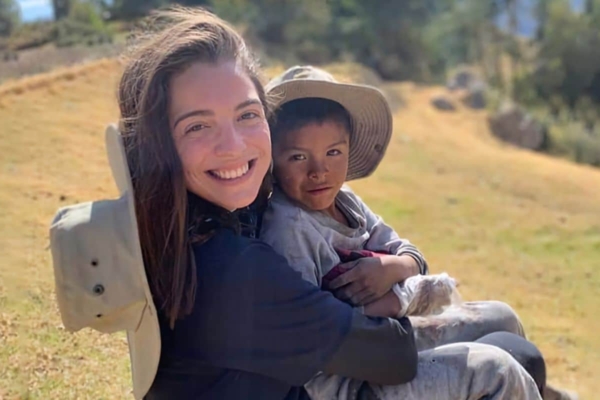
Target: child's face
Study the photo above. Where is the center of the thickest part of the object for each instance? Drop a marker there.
(311, 163)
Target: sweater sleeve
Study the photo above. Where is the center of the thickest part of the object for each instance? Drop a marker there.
(383, 238)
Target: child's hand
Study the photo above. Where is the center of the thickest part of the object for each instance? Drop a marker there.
(366, 280)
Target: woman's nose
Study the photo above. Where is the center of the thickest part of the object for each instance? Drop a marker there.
(231, 142)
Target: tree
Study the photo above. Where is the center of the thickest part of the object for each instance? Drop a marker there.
(202, 3)
(568, 57)
(87, 13)
(387, 36)
(294, 31)
(61, 8)
(589, 6)
(9, 16)
(513, 28)
(542, 14)
(129, 9)
(466, 32)
(592, 10)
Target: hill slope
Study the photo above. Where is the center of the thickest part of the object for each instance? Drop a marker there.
(510, 224)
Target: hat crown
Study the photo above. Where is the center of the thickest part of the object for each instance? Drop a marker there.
(370, 114)
(301, 72)
(93, 250)
(307, 72)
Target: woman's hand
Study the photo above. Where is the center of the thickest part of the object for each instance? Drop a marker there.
(388, 306)
(368, 279)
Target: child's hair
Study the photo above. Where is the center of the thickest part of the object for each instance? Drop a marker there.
(299, 113)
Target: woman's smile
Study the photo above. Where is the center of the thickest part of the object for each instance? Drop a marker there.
(233, 175)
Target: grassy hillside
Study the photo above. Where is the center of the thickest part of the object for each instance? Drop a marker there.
(510, 224)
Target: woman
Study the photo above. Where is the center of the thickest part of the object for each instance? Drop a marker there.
(232, 320)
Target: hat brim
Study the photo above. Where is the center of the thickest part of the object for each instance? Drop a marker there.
(145, 341)
(144, 352)
(372, 120)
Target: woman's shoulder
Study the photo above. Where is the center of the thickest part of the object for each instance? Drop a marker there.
(231, 261)
(224, 244)
(227, 250)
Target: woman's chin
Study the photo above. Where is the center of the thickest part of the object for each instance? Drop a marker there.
(235, 201)
(238, 205)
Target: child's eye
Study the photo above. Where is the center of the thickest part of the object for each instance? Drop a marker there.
(195, 128)
(334, 152)
(298, 157)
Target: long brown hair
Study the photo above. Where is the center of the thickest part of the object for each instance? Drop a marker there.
(163, 205)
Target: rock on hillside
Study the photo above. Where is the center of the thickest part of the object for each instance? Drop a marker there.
(515, 126)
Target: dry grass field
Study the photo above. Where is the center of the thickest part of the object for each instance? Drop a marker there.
(509, 224)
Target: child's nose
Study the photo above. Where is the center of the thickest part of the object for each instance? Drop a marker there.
(318, 170)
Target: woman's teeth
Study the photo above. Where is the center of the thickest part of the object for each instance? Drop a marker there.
(231, 174)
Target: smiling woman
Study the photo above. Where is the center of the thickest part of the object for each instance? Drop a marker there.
(211, 121)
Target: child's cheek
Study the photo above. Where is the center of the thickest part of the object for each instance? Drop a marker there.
(288, 181)
(292, 187)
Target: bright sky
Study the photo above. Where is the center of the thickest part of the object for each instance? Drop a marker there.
(32, 10)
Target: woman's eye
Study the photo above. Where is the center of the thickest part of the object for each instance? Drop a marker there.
(195, 128)
(249, 115)
(334, 152)
(298, 157)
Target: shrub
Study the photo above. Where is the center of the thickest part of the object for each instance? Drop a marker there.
(575, 141)
(32, 35)
(84, 26)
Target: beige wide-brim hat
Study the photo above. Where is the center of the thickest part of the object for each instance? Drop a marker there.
(370, 112)
(99, 272)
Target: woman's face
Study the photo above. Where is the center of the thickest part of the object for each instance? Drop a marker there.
(220, 132)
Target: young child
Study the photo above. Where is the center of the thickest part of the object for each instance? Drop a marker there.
(324, 134)
(323, 229)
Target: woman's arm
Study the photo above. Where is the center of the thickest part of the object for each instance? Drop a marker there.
(260, 316)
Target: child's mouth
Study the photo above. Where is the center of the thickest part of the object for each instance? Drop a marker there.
(318, 191)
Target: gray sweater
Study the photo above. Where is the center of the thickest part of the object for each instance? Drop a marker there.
(308, 239)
